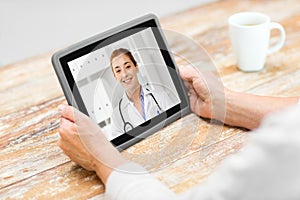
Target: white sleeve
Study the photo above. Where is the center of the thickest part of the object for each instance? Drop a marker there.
(266, 168)
(132, 182)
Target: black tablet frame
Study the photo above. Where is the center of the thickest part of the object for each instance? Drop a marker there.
(60, 62)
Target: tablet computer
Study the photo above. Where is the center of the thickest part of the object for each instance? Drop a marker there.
(124, 79)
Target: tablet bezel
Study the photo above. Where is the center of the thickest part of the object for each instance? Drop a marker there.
(60, 62)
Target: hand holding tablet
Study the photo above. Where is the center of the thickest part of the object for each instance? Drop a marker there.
(125, 80)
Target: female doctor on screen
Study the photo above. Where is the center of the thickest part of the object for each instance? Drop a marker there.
(138, 103)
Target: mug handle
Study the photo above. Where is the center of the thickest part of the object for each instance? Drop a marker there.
(274, 25)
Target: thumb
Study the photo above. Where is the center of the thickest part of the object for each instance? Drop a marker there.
(71, 113)
(188, 73)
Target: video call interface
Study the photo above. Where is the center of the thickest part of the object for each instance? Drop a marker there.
(104, 88)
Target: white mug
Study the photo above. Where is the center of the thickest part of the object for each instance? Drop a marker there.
(250, 36)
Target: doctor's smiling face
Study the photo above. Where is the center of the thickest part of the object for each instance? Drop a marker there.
(125, 69)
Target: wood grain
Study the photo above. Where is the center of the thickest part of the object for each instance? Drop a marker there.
(182, 154)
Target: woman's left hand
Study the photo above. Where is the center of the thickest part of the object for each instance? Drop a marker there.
(83, 142)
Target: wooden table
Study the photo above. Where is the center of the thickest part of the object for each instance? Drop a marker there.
(32, 165)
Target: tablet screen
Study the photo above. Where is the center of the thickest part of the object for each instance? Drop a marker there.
(126, 82)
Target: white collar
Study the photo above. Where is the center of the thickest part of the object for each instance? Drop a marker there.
(126, 100)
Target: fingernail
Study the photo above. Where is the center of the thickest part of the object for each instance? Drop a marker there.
(61, 107)
(182, 68)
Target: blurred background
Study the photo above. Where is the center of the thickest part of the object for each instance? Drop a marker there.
(33, 27)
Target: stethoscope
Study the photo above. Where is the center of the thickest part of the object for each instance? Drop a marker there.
(128, 124)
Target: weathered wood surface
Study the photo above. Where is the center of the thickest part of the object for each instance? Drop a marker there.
(31, 164)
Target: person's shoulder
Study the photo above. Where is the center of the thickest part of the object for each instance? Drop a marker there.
(116, 122)
(116, 113)
(155, 88)
(119, 109)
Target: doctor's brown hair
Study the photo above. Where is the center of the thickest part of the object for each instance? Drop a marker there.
(119, 52)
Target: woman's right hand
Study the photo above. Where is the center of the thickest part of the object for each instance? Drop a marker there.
(206, 93)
